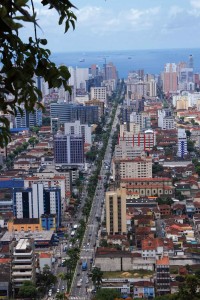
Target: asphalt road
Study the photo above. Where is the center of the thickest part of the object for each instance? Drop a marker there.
(92, 231)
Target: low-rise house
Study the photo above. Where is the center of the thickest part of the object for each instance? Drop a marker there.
(156, 247)
(165, 210)
(144, 290)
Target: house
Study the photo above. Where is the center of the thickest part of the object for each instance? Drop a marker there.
(156, 247)
(165, 210)
(144, 290)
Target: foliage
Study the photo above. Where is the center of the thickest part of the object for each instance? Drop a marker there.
(97, 275)
(46, 278)
(28, 290)
(190, 145)
(107, 294)
(21, 61)
(157, 168)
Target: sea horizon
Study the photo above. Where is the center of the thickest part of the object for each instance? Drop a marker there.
(151, 60)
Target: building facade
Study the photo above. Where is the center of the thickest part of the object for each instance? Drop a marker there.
(116, 211)
(23, 263)
(68, 149)
(37, 201)
(182, 143)
(76, 128)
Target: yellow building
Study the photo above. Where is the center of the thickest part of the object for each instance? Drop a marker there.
(116, 211)
(182, 103)
(24, 225)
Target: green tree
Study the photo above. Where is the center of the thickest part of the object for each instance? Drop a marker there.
(97, 275)
(28, 290)
(46, 121)
(107, 294)
(190, 146)
(21, 60)
(46, 278)
(33, 141)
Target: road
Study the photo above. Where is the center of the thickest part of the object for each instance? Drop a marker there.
(91, 237)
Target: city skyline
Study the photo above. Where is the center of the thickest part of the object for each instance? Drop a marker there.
(107, 25)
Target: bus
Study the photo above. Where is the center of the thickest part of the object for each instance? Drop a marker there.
(84, 266)
(72, 233)
(75, 226)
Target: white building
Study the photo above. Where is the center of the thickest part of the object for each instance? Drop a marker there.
(182, 143)
(81, 75)
(165, 119)
(98, 93)
(152, 88)
(143, 119)
(23, 263)
(79, 129)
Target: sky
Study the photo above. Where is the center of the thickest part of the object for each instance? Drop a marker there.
(122, 25)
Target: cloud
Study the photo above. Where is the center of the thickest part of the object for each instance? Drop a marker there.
(195, 4)
(174, 11)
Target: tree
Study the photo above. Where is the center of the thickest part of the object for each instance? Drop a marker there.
(190, 146)
(46, 278)
(28, 290)
(33, 141)
(21, 61)
(97, 275)
(107, 294)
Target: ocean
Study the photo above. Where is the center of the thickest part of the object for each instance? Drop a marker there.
(152, 61)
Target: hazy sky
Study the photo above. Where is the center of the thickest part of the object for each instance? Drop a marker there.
(124, 25)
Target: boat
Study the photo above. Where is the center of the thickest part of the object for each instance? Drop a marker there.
(82, 60)
(129, 57)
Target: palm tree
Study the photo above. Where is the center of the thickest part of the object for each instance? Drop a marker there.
(97, 275)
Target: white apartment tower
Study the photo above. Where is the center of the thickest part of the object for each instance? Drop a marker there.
(79, 129)
(23, 263)
(182, 143)
(98, 93)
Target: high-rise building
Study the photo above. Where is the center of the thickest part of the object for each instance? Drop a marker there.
(28, 120)
(37, 201)
(109, 71)
(98, 93)
(55, 125)
(72, 112)
(138, 167)
(152, 88)
(116, 211)
(163, 276)
(68, 149)
(76, 128)
(182, 143)
(23, 263)
(165, 119)
(170, 78)
(191, 61)
(142, 118)
(98, 103)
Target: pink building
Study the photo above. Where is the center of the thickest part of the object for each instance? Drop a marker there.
(170, 76)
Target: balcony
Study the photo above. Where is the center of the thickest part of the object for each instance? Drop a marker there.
(21, 274)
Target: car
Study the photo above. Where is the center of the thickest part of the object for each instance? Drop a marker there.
(88, 244)
(87, 281)
(58, 291)
(90, 234)
(81, 280)
(63, 287)
(78, 274)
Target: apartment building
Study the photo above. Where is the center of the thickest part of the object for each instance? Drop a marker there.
(163, 276)
(142, 118)
(131, 134)
(68, 149)
(23, 263)
(139, 167)
(76, 128)
(116, 211)
(170, 76)
(125, 149)
(98, 93)
(182, 143)
(96, 102)
(37, 201)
